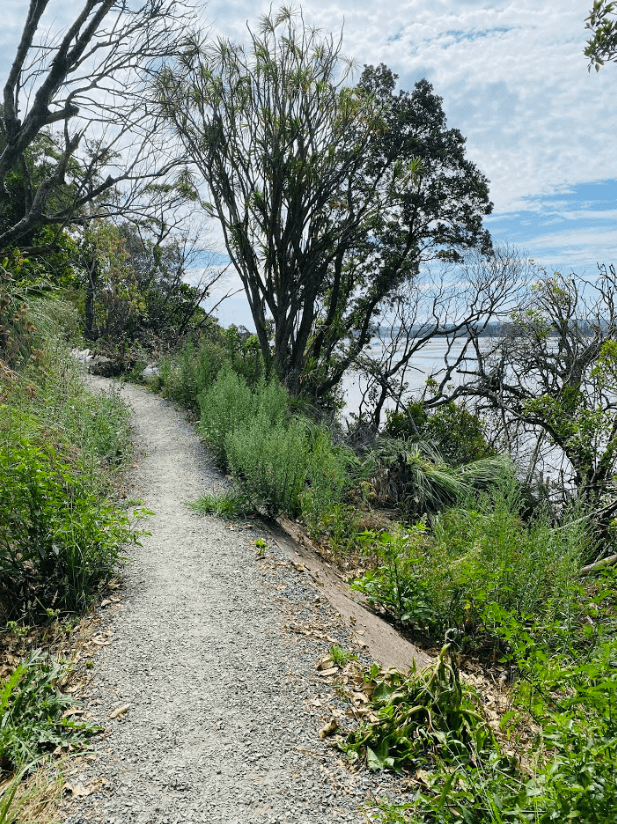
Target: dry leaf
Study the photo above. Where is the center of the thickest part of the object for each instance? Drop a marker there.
(331, 727)
(423, 777)
(329, 672)
(120, 711)
(76, 790)
(325, 663)
(72, 711)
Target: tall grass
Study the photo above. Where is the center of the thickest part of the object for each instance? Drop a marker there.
(475, 556)
(60, 447)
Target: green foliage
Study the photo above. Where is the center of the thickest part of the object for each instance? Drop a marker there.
(327, 476)
(230, 404)
(341, 657)
(420, 716)
(456, 433)
(191, 371)
(228, 504)
(270, 462)
(58, 540)
(32, 711)
(571, 775)
(60, 447)
(475, 556)
(134, 288)
(602, 22)
(414, 478)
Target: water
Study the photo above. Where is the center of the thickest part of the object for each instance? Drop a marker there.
(427, 361)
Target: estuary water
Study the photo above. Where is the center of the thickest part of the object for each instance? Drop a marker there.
(428, 361)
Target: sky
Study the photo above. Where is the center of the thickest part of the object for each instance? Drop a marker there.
(513, 79)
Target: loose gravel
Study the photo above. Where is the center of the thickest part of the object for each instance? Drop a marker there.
(218, 696)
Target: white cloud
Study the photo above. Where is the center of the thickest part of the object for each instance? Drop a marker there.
(513, 78)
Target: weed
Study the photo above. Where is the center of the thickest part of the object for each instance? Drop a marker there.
(420, 716)
(58, 540)
(261, 547)
(231, 405)
(32, 711)
(192, 370)
(341, 657)
(444, 578)
(228, 504)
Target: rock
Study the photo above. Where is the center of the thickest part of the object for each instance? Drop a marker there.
(150, 372)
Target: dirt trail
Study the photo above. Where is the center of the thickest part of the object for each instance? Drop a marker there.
(222, 699)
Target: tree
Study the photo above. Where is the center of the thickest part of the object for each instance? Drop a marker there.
(552, 377)
(310, 181)
(453, 303)
(602, 22)
(75, 126)
(135, 284)
(435, 213)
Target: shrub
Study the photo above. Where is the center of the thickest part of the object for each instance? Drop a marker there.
(476, 556)
(270, 462)
(327, 477)
(457, 434)
(58, 540)
(60, 447)
(185, 375)
(230, 404)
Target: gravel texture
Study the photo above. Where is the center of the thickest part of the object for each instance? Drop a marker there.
(224, 701)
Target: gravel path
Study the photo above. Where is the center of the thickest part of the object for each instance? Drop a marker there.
(224, 702)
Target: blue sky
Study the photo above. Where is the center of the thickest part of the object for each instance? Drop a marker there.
(513, 79)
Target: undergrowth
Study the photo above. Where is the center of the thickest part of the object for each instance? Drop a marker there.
(62, 452)
(33, 709)
(431, 726)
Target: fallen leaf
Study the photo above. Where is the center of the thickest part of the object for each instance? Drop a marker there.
(76, 790)
(328, 672)
(120, 711)
(331, 727)
(72, 711)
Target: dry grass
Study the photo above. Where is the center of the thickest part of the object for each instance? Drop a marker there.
(36, 798)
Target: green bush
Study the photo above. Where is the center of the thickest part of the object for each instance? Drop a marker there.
(328, 478)
(476, 556)
(230, 404)
(60, 448)
(456, 433)
(270, 463)
(185, 375)
(58, 540)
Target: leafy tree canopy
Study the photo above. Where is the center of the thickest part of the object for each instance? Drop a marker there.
(329, 196)
(602, 45)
